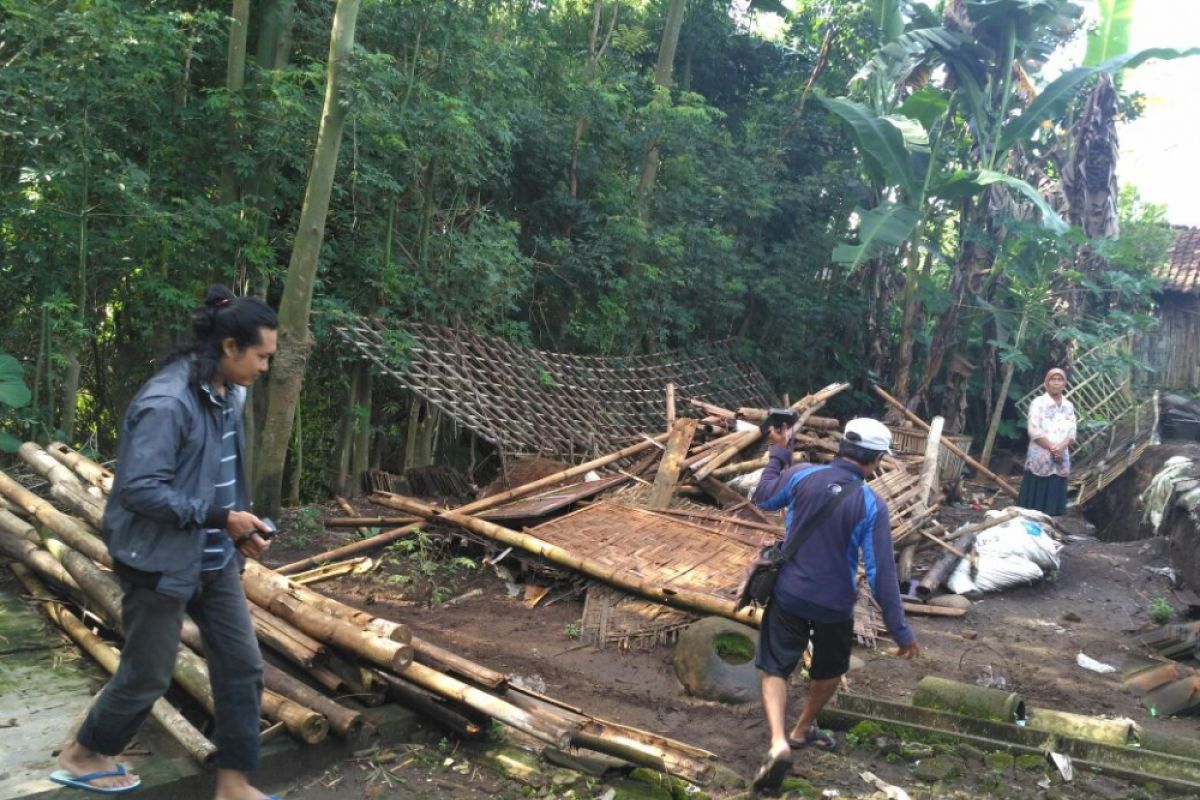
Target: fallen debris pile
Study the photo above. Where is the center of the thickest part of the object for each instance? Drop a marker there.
(656, 519)
(331, 646)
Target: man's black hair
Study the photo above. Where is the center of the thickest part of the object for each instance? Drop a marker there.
(224, 316)
(858, 453)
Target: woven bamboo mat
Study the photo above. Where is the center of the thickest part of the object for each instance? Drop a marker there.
(653, 548)
(538, 402)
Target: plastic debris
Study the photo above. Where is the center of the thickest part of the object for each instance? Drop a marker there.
(1087, 662)
(1063, 764)
(892, 792)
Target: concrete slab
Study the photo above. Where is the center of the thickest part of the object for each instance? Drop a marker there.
(46, 687)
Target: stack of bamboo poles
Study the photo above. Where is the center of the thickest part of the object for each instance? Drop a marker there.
(333, 646)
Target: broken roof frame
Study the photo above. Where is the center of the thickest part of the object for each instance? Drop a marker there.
(527, 401)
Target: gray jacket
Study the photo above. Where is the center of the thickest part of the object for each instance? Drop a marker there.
(167, 466)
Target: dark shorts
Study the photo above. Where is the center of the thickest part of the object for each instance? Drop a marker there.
(783, 638)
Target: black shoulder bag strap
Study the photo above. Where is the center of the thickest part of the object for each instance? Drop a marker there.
(816, 519)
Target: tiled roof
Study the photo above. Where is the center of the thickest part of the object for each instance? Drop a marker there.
(1181, 272)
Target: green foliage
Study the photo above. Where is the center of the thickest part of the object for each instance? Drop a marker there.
(489, 178)
(1160, 611)
(14, 394)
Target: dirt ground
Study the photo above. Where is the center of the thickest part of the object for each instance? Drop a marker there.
(1025, 639)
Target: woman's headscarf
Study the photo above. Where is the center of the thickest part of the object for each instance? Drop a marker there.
(1051, 373)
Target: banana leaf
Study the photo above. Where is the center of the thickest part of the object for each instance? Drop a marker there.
(1053, 100)
(886, 225)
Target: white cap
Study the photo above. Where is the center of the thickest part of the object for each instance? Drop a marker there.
(869, 434)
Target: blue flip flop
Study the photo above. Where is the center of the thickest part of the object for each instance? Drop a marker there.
(61, 776)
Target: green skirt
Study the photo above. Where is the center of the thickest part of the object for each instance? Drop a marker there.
(1048, 494)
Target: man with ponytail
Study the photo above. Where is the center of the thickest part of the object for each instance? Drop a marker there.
(179, 529)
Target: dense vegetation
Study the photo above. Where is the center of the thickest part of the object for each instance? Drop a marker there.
(877, 189)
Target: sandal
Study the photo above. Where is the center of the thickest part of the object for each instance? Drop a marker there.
(772, 772)
(815, 738)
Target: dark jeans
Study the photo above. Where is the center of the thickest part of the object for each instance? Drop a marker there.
(152, 621)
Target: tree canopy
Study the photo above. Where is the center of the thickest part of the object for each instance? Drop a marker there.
(874, 191)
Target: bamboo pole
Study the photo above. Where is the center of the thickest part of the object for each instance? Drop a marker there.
(79, 503)
(35, 558)
(397, 632)
(375, 542)
(18, 527)
(295, 645)
(942, 568)
(805, 405)
(70, 530)
(286, 604)
(678, 597)
(431, 655)
(670, 405)
(480, 700)
(951, 446)
(45, 465)
(742, 467)
(368, 522)
(83, 466)
(430, 705)
(175, 724)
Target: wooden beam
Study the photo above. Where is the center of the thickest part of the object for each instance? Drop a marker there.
(672, 462)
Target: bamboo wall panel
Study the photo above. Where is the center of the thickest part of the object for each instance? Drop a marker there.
(528, 401)
(1172, 351)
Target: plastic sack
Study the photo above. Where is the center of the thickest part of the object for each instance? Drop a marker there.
(1015, 552)
(746, 484)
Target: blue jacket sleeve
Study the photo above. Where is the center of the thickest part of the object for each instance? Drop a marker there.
(771, 493)
(884, 584)
(152, 439)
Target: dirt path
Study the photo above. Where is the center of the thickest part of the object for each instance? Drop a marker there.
(1025, 639)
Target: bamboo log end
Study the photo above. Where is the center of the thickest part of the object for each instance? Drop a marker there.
(403, 657)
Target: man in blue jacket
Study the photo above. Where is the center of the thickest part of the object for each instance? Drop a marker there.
(179, 529)
(817, 588)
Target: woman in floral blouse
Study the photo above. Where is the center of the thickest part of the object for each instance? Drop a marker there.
(1051, 434)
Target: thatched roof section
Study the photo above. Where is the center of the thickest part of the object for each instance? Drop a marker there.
(528, 401)
(1181, 272)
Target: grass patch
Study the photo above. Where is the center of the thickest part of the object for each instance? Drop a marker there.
(733, 648)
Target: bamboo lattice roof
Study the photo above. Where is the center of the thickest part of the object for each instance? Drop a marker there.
(528, 401)
(1181, 272)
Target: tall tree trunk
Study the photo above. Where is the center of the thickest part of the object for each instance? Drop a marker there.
(595, 51)
(420, 437)
(340, 477)
(296, 306)
(908, 320)
(235, 81)
(360, 461)
(662, 78)
(70, 387)
(998, 411)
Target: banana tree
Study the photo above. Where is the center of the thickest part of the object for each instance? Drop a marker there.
(984, 109)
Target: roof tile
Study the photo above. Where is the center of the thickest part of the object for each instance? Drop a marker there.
(1181, 272)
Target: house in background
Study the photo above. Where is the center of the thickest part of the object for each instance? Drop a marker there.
(1172, 351)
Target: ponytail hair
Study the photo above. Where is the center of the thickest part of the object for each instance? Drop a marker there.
(224, 316)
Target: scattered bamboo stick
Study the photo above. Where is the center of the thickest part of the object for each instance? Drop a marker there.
(375, 542)
(951, 446)
(83, 466)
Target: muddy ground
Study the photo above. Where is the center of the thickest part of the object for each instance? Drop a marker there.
(1026, 639)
